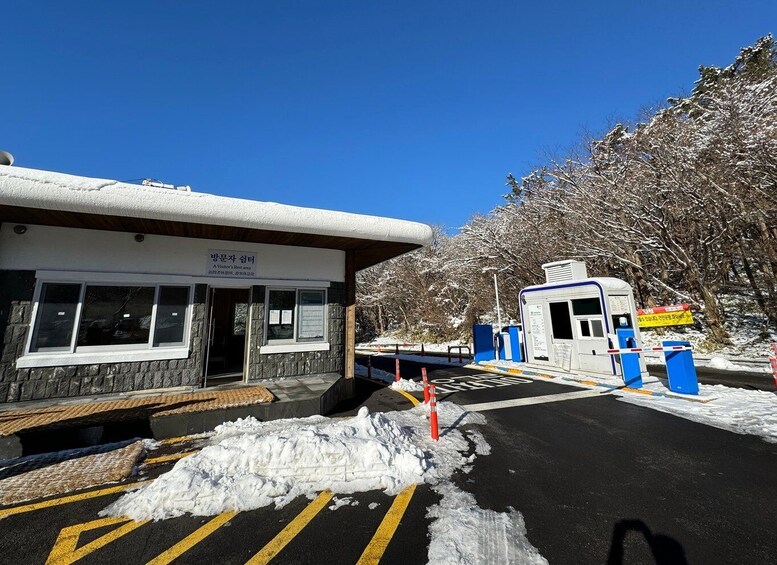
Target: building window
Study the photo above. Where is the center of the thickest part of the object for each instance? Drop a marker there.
(170, 326)
(116, 315)
(296, 316)
(109, 317)
(57, 308)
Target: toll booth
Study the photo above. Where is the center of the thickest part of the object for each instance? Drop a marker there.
(570, 321)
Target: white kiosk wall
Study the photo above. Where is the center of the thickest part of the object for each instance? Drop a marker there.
(571, 323)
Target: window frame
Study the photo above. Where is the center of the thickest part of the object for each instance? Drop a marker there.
(90, 350)
(588, 320)
(295, 341)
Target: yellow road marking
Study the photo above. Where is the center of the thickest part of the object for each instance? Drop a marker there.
(515, 371)
(67, 499)
(192, 539)
(166, 458)
(64, 551)
(379, 542)
(291, 530)
(179, 439)
(407, 395)
(637, 390)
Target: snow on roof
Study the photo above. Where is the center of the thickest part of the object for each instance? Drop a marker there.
(607, 283)
(32, 188)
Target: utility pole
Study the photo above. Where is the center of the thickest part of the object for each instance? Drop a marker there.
(498, 310)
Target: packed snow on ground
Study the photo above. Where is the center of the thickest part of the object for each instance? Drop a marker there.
(375, 373)
(407, 385)
(462, 532)
(402, 384)
(340, 501)
(251, 464)
(389, 342)
(735, 409)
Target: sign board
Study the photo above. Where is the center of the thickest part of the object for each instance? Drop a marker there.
(236, 264)
(675, 315)
(537, 330)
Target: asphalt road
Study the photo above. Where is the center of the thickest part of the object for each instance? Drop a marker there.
(603, 481)
(597, 481)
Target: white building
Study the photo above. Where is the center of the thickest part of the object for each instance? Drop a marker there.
(570, 321)
(110, 287)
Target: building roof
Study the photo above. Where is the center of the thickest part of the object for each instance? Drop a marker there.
(49, 198)
(607, 283)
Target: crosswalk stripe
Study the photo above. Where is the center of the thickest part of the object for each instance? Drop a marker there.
(483, 406)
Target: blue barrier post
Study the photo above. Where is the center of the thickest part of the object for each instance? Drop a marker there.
(515, 343)
(483, 342)
(632, 375)
(680, 369)
(502, 343)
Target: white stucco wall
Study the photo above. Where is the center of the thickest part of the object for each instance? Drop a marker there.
(68, 249)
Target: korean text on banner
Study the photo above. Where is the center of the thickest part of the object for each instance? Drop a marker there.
(675, 315)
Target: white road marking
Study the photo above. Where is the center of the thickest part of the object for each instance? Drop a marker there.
(482, 406)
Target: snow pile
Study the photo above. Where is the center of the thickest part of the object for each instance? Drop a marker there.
(733, 409)
(407, 385)
(462, 532)
(340, 501)
(379, 375)
(251, 464)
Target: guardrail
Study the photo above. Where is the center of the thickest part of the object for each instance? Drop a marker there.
(459, 347)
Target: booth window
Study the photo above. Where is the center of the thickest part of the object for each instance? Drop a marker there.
(83, 317)
(296, 315)
(586, 307)
(590, 328)
(560, 320)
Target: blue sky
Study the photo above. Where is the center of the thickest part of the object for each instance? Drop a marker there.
(415, 110)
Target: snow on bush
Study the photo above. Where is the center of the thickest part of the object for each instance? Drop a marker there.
(251, 464)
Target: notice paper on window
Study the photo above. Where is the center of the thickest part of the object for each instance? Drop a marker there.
(286, 316)
(275, 317)
(311, 321)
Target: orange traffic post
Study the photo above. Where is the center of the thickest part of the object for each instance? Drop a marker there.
(426, 385)
(433, 413)
(397, 365)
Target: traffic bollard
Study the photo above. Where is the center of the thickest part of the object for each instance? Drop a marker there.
(433, 413)
(426, 385)
(423, 353)
(397, 365)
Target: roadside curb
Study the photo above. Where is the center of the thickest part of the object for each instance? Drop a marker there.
(587, 383)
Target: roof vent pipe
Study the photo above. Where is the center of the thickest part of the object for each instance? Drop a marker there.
(6, 158)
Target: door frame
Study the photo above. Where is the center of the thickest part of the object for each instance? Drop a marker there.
(208, 333)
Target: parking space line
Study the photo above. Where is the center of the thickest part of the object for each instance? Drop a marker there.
(67, 499)
(192, 539)
(64, 551)
(407, 395)
(481, 407)
(276, 545)
(171, 457)
(388, 527)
